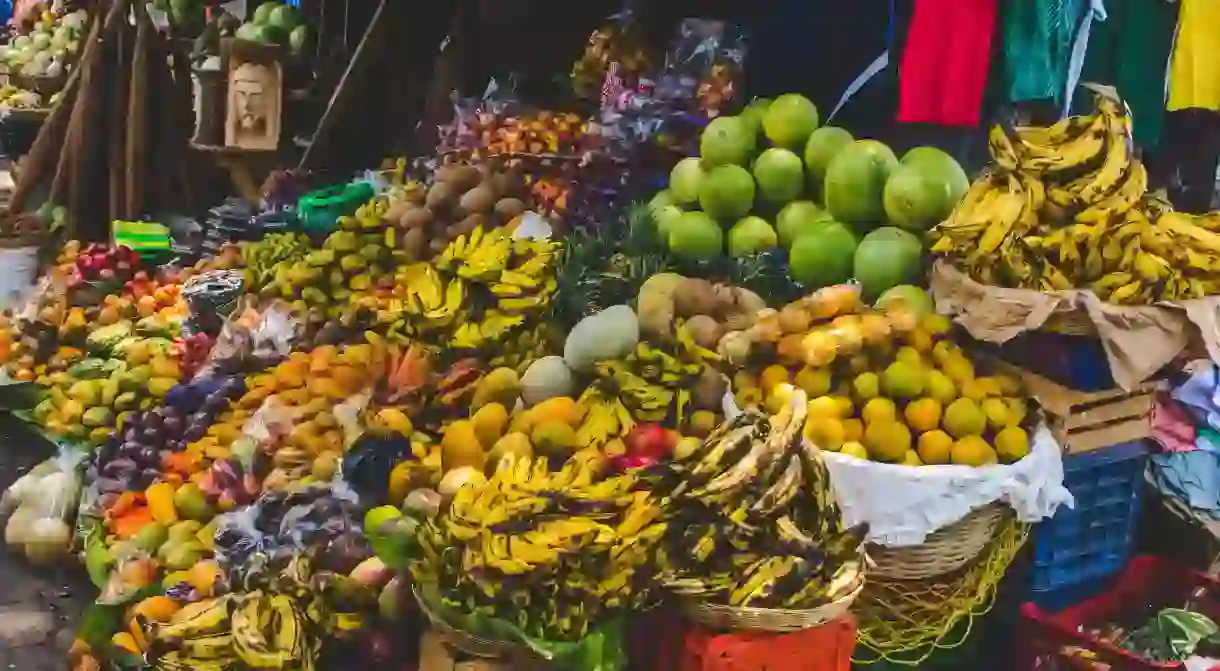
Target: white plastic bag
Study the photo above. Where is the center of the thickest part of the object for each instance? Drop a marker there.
(903, 504)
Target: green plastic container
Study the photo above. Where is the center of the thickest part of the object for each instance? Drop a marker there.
(147, 238)
(319, 211)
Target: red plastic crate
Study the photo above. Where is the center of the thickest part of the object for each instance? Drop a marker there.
(827, 647)
(1055, 642)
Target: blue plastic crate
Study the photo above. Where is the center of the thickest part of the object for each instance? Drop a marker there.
(1093, 540)
(1076, 362)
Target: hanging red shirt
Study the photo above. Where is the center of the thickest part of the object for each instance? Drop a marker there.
(944, 66)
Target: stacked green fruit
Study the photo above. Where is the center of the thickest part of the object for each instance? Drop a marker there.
(772, 178)
(353, 261)
(276, 23)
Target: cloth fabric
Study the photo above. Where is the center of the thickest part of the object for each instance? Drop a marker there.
(1038, 40)
(1173, 427)
(1190, 478)
(1130, 51)
(1194, 78)
(943, 72)
(1200, 396)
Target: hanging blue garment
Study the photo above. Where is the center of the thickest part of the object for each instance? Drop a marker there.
(1038, 40)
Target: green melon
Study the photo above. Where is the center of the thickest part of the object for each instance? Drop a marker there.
(823, 145)
(727, 140)
(696, 237)
(855, 182)
(797, 218)
(943, 166)
(780, 175)
(823, 257)
(727, 192)
(915, 199)
(789, 120)
(751, 236)
(886, 258)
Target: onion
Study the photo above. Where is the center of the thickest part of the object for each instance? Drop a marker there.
(48, 540)
(17, 531)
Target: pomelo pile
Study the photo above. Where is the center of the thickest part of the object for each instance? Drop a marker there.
(842, 208)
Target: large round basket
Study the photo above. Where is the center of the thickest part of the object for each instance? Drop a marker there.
(466, 642)
(944, 551)
(733, 618)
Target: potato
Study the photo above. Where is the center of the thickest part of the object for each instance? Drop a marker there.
(440, 197)
(477, 200)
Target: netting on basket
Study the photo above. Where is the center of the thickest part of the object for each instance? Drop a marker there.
(905, 621)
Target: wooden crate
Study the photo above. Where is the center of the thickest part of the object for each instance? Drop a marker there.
(1083, 421)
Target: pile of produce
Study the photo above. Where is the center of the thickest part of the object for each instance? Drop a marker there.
(887, 386)
(873, 209)
(550, 554)
(755, 523)
(50, 46)
(15, 97)
(275, 23)
(1067, 207)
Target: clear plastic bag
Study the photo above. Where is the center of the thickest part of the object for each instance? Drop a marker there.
(41, 507)
(212, 297)
(253, 339)
(262, 538)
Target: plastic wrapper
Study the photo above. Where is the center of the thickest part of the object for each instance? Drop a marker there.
(212, 297)
(367, 466)
(617, 47)
(699, 81)
(41, 506)
(472, 115)
(262, 538)
(253, 340)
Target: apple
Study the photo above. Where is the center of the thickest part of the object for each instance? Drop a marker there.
(649, 440)
(627, 462)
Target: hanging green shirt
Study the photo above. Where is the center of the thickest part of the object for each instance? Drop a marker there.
(1130, 51)
(1038, 38)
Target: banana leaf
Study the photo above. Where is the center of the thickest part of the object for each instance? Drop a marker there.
(1172, 636)
(603, 649)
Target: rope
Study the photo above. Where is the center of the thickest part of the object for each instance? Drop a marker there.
(906, 622)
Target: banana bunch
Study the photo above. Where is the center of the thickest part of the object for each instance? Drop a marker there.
(200, 636)
(257, 629)
(477, 295)
(754, 520)
(270, 632)
(554, 553)
(266, 258)
(650, 385)
(522, 349)
(1067, 207)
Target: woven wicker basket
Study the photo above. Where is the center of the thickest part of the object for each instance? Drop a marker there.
(466, 642)
(732, 618)
(944, 551)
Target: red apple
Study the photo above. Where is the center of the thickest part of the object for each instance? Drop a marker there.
(627, 462)
(649, 440)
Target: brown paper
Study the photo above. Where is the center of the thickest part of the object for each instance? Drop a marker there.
(1139, 340)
